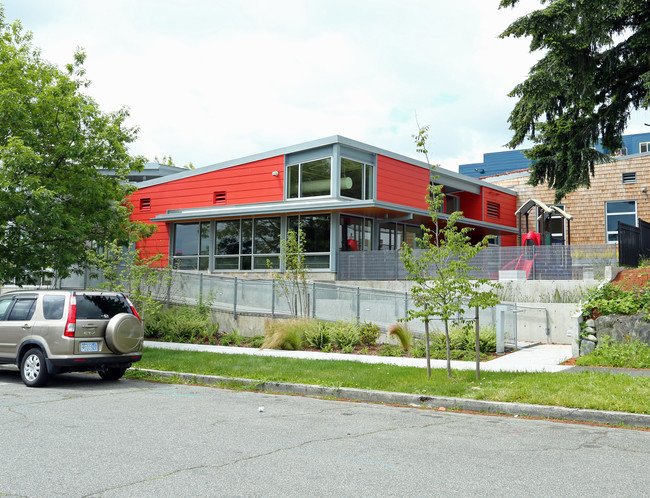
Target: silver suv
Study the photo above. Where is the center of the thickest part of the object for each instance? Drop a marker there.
(47, 332)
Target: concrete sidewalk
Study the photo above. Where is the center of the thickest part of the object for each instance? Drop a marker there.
(535, 358)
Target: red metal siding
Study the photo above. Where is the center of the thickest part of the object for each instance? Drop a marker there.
(401, 183)
(470, 205)
(508, 240)
(243, 184)
(507, 206)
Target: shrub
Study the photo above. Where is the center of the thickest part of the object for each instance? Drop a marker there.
(419, 349)
(611, 299)
(369, 333)
(631, 354)
(402, 334)
(232, 339)
(462, 342)
(317, 335)
(345, 335)
(285, 334)
(390, 350)
(181, 324)
(256, 341)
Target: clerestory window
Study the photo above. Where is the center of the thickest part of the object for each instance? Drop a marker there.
(309, 179)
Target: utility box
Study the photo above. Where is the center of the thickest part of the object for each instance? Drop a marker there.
(512, 275)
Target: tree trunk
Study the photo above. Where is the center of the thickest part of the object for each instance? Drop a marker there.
(426, 338)
(448, 348)
(478, 348)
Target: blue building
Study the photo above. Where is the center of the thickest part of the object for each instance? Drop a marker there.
(498, 163)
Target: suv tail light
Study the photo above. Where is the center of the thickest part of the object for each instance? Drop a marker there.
(133, 310)
(71, 323)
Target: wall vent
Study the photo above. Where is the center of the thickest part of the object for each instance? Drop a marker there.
(493, 209)
(145, 204)
(220, 198)
(629, 178)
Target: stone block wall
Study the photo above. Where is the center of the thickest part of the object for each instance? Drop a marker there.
(621, 328)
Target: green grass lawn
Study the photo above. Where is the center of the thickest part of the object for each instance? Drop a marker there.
(579, 390)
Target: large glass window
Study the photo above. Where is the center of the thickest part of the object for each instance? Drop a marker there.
(356, 179)
(387, 237)
(227, 245)
(316, 230)
(191, 246)
(266, 242)
(356, 233)
(616, 211)
(309, 179)
(410, 234)
(247, 244)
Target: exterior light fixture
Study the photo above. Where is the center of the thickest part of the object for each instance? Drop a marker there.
(275, 173)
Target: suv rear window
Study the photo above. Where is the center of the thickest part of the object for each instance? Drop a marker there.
(53, 307)
(98, 307)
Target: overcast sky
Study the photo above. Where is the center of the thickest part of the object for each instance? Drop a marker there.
(212, 80)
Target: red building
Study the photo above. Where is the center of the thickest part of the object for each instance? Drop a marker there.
(343, 194)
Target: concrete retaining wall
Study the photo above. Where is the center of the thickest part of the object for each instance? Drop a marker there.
(550, 323)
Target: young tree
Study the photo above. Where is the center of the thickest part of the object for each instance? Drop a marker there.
(443, 286)
(53, 142)
(125, 269)
(292, 282)
(595, 69)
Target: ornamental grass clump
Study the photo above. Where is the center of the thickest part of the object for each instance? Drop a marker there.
(402, 334)
(285, 334)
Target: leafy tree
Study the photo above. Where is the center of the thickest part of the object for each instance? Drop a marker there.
(594, 70)
(292, 281)
(53, 142)
(443, 286)
(168, 161)
(127, 270)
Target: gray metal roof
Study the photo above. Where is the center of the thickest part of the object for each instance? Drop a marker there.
(446, 177)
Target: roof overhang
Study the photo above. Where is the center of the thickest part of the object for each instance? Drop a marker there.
(370, 208)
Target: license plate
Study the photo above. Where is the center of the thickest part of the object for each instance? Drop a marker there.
(88, 347)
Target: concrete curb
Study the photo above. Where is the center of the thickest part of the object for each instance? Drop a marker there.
(352, 394)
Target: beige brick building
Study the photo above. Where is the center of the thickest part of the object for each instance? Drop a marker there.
(619, 190)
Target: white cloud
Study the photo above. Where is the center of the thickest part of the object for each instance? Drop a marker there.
(208, 81)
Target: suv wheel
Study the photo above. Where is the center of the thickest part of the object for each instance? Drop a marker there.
(33, 370)
(113, 373)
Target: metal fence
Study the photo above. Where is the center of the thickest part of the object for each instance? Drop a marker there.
(533, 262)
(634, 243)
(326, 301)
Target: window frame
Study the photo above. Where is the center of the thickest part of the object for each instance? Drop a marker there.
(299, 166)
(367, 179)
(247, 256)
(608, 214)
(309, 254)
(199, 261)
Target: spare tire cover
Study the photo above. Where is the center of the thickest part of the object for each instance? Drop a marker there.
(124, 333)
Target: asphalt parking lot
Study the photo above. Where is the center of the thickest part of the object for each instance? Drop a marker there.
(84, 437)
